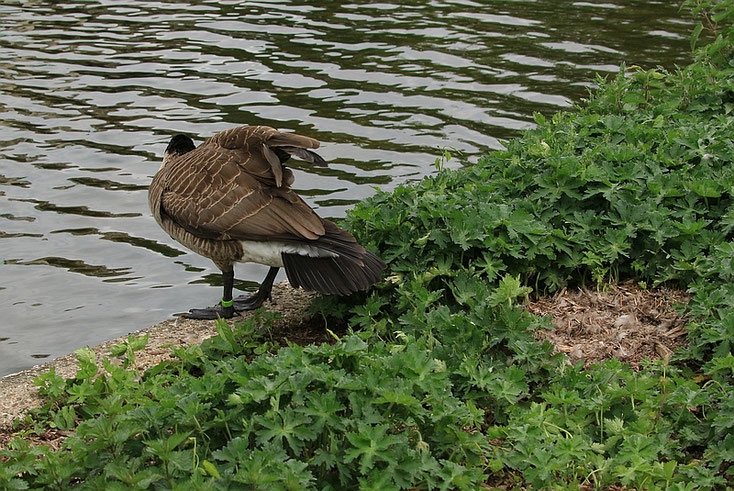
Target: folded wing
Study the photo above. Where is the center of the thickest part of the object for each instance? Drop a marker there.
(234, 186)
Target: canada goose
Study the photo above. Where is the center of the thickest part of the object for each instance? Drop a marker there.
(229, 199)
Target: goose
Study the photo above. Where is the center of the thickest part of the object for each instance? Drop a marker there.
(229, 200)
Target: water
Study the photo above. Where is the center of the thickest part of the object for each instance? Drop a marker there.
(90, 93)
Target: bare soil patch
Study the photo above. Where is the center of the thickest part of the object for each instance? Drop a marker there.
(625, 322)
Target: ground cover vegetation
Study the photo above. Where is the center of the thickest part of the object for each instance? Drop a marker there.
(439, 382)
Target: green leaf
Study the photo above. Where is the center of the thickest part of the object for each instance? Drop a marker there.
(695, 35)
(391, 397)
(286, 426)
(508, 290)
(138, 342)
(370, 445)
(85, 356)
(211, 469)
(707, 188)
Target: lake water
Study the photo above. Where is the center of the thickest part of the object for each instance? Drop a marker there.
(91, 92)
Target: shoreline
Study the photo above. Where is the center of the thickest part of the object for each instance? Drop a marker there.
(18, 395)
(624, 322)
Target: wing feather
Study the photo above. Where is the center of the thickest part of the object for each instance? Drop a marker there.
(275, 165)
(233, 186)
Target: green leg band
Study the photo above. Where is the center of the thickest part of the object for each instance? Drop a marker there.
(227, 303)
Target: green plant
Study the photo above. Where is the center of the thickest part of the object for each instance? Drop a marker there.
(716, 20)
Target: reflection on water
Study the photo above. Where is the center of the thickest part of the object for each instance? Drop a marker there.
(73, 266)
(91, 92)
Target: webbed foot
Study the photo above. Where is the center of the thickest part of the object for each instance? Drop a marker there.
(210, 313)
(251, 302)
(254, 301)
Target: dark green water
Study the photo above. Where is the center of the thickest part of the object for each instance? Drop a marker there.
(92, 91)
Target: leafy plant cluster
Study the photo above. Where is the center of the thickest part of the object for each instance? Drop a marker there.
(716, 20)
(227, 414)
(442, 383)
(637, 183)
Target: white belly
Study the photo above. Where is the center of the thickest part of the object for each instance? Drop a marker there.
(269, 253)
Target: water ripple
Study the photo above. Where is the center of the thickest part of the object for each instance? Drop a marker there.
(91, 93)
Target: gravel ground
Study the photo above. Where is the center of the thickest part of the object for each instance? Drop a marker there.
(18, 395)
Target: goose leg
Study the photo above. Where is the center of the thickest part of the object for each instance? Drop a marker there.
(219, 310)
(255, 300)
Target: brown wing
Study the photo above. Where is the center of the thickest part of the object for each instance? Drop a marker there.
(231, 187)
(252, 146)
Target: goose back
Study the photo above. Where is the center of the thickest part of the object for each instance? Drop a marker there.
(232, 193)
(227, 189)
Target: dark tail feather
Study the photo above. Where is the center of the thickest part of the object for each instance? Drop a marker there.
(353, 268)
(340, 275)
(305, 155)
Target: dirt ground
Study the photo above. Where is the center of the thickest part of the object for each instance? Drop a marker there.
(624, 322)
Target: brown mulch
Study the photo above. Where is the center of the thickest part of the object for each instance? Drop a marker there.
(624, 322)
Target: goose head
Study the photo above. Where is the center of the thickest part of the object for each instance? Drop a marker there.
(179, 145)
